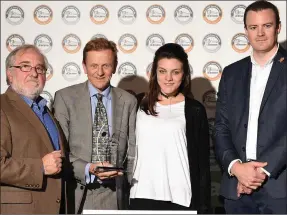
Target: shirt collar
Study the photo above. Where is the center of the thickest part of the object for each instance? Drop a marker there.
(40, 101)
(94, 91)
(253, 61)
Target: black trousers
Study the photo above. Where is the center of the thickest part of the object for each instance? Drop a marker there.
(150, 204)
(259, 202)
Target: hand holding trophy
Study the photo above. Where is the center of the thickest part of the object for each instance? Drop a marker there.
(107, 165)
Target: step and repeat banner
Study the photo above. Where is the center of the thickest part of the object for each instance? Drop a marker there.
(211, 32)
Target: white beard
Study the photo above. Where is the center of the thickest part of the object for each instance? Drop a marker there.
(30, 93)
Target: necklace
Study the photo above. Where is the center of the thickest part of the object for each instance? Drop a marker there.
(166, 96)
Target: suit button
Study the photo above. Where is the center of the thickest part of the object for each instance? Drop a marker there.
(58, 200)
(37, 185)
(245, 125)
(243, 148)
(81, 187)
(26, 185)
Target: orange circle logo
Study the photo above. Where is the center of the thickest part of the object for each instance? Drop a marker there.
(212, 71)
(99, 14)
(212, 14)
(155, 14)
(71, 43)
(43, 14)
(240, 43)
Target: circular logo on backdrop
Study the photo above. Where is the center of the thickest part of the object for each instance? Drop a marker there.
(71, 43)
(14, 41)
(127, 14)
(209, 99)
(186, 42)
(127, 43)
(154, 41)
(212, 71)
(71, 15)
(212, 14)
(98, 36)
(43, 14)
(183, 14)
(240, 43)
(14, 15)
(237, 13)
(127, 69)
(43, 42)
(49, 72)
(99, 14)
(211, 43)
(71, 71)
(155, 14)
(46, 95)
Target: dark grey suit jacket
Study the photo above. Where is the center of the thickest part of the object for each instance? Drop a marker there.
(231, 123)
(73, 110)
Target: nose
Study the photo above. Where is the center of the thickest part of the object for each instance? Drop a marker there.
(33, 72)
(168, 76)
(260, 31)
(100, 71)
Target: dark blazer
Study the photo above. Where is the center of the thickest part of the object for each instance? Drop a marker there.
(231, 123)
(24, 142)
(197, 136)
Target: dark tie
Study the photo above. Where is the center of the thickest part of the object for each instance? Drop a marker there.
(100, 151)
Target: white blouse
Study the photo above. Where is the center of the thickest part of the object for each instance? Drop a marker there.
(162, 168)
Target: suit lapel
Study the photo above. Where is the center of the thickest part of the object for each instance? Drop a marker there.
(28, 113)
(117, 109)
(242, 92)
(84, 110)
(277, 68)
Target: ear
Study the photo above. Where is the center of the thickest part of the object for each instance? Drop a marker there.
(9, 76)
(246, 32)
(279, 28)
(84, 67)
(115, 68)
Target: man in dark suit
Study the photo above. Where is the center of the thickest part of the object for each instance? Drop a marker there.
(91, 114)
(31, 142)
(251, 119)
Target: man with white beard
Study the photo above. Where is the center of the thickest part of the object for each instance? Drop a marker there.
(31, 142)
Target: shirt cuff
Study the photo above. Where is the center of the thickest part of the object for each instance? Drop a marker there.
(265, 171)
(87, 173)
(90, 178)
(231, 164)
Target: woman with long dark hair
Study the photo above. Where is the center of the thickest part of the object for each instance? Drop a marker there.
(172, 166)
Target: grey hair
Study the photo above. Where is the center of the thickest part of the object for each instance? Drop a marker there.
(11, 57)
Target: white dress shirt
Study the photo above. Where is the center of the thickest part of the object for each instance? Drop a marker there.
(259, 78)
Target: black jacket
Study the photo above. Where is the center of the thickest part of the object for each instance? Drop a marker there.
(197, 135)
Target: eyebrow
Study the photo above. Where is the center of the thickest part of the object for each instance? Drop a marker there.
(29, 62)
(165, 69)
(268, 23)
(24, 62)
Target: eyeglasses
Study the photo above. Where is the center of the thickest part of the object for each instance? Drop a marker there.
(27, 68)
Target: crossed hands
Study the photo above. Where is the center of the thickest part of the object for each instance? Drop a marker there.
(250, 176)
(105, 174)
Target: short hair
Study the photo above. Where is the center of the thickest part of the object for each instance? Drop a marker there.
(11, 57)
(100, 44)
(169, 51)
(262, 5)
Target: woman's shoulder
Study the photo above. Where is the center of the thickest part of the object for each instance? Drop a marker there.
(190, 102)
